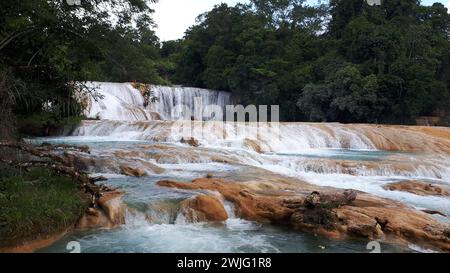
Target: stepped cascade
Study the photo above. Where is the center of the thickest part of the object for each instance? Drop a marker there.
(123, 101)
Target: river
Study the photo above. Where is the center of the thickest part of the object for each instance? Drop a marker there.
(361, 157)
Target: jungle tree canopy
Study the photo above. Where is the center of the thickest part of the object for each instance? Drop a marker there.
(341, 61)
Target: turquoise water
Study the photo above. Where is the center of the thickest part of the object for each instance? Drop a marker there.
(235, 235)
(152, 224)
(367, 155)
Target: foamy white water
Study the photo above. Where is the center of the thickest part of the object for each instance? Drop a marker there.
(122, 101)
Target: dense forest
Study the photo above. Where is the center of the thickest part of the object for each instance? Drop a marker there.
(344, 60)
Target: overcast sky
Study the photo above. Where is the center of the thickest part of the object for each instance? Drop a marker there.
(173, 17)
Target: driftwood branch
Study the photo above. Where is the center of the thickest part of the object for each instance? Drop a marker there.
(320, 200)
(318, 208)
(82, 148)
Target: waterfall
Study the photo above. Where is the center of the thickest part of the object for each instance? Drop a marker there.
(169, 97)
(124, 102)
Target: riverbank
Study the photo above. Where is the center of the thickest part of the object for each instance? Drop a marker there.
(43, 196)
(263, 187)
(38, 207)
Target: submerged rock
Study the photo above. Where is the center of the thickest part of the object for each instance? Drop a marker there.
(418, 188)
(130, 171)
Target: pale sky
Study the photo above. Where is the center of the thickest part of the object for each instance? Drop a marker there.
(173, 17)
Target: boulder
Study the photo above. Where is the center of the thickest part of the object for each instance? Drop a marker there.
(111, 203)
(203, 208)
(190, 141)
(110, 212)
(418, 188)
(130, 171)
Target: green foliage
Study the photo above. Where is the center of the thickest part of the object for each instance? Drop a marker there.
(346, 96)
(387, 63)
(346, 61)
(49, 45)
(36, 202)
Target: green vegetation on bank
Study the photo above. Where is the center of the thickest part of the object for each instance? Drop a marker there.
(35, 203)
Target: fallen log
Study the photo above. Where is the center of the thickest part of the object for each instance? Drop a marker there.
(82, 148)
(317, 200)
(324, 201)
(41, 153)
(318, 208)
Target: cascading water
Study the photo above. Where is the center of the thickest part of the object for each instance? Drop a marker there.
(362, 157)
(170, 97)
(122, 101)
(268, 137)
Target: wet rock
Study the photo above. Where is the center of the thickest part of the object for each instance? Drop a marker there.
(90, 163)
(325, 218)
(109, 214)
(152, 167)
(79, 162)
(203, 208)
(190, 141)
(361, 225)
(329, 212)
(130, 171)
(162, 212)
(253, 144)
(92, 212)
(418, 188)
(111, 203)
